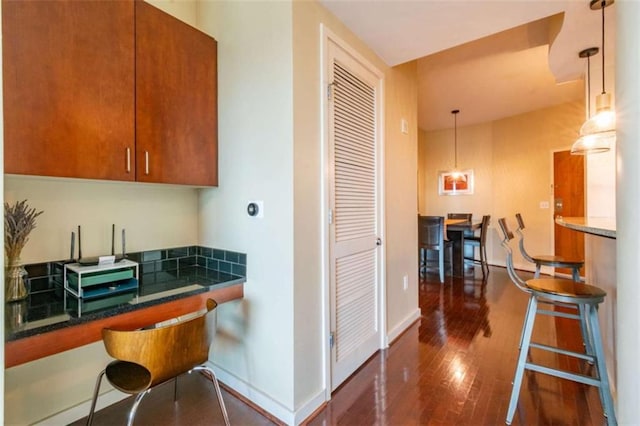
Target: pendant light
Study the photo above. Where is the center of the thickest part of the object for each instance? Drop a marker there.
(598, 133)
(455, 173)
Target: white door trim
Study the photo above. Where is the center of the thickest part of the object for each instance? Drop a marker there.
(327, 36)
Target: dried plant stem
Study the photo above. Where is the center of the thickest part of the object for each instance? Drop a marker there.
(19, 221)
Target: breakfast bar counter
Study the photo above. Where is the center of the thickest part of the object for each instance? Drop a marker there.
(604, 227)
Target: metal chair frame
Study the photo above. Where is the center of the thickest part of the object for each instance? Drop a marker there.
(560, 292)
(480, 242)
(547, 260)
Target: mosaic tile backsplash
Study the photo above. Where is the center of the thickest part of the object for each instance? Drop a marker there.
(43, 277)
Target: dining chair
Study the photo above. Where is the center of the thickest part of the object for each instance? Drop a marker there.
(547, 260)
(145, 358)
(464, 216)
(567, 293)
(431, 238)
(479, 241)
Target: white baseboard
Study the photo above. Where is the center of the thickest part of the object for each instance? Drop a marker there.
(82, 410)
(402, 326)
(267, 403)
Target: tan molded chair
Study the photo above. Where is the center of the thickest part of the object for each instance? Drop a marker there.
(547, 260)
(479, 241)
(149, 357)
(431, 238)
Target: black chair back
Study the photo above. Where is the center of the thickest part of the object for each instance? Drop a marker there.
(431, 232)
(484, 228)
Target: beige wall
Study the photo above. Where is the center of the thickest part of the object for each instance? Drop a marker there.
(512, 161)
(284, 290)
(401, 203)
(254, 349)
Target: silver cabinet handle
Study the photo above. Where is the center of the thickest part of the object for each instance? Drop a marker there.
(146, 162)
(128, 160)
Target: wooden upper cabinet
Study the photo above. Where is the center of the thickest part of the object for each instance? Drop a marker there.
(68, 80)
(176, 101)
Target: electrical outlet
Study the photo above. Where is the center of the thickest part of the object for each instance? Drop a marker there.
(404, 126)
(405, 282)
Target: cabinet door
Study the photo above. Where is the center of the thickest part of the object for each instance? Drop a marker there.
(68, 83)
(176, 101)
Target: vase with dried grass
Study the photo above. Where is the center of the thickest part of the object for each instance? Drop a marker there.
(19, 221)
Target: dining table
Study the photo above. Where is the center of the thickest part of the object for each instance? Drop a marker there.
(455, 230)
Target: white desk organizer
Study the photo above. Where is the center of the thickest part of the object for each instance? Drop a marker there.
(97, 281)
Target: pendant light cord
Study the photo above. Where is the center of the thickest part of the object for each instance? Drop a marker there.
(589, 86)
(455, 137)
(604, 5)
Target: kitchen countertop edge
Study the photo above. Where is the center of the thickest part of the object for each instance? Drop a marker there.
(603, 227)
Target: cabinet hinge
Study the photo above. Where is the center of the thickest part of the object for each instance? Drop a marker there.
(330, 216)
(332, 339)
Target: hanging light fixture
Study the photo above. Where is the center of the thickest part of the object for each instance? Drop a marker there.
(457, 175)
(598, 133)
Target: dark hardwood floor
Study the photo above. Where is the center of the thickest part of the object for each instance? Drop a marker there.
(452, 367)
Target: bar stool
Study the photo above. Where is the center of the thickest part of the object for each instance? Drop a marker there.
(564, 293)
(547, 260)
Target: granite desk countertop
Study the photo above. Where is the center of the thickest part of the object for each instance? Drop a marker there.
(604, 227)
(49, 311)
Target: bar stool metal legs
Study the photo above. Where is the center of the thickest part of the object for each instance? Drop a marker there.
(588, 308)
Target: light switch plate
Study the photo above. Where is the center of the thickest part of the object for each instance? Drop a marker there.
(404, 126)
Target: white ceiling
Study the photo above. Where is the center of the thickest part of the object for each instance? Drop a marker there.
(490, 59)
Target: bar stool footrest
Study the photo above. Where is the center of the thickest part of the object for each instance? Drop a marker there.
(587, 380)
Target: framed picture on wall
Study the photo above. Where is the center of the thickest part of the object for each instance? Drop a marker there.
(455, 183)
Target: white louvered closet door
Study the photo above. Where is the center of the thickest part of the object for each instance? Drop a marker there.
(354, 224)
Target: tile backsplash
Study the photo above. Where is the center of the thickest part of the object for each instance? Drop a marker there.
(47, 276)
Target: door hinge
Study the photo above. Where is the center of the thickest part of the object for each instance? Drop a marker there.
(332, 339)
(330, 216)
(330, 90)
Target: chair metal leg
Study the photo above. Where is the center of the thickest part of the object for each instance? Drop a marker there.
(216, 385)
(537, 273)
(134, 408)
(441, 264)
(605, 391)
(584, 328)
(175, 389)
(95, 397)
(522, 357)
(576, 274)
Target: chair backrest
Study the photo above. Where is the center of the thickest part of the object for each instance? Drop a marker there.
(431, 232)
(523, 251)
(484, 228)
(464, 216)
(166, 351)
(507, 236)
